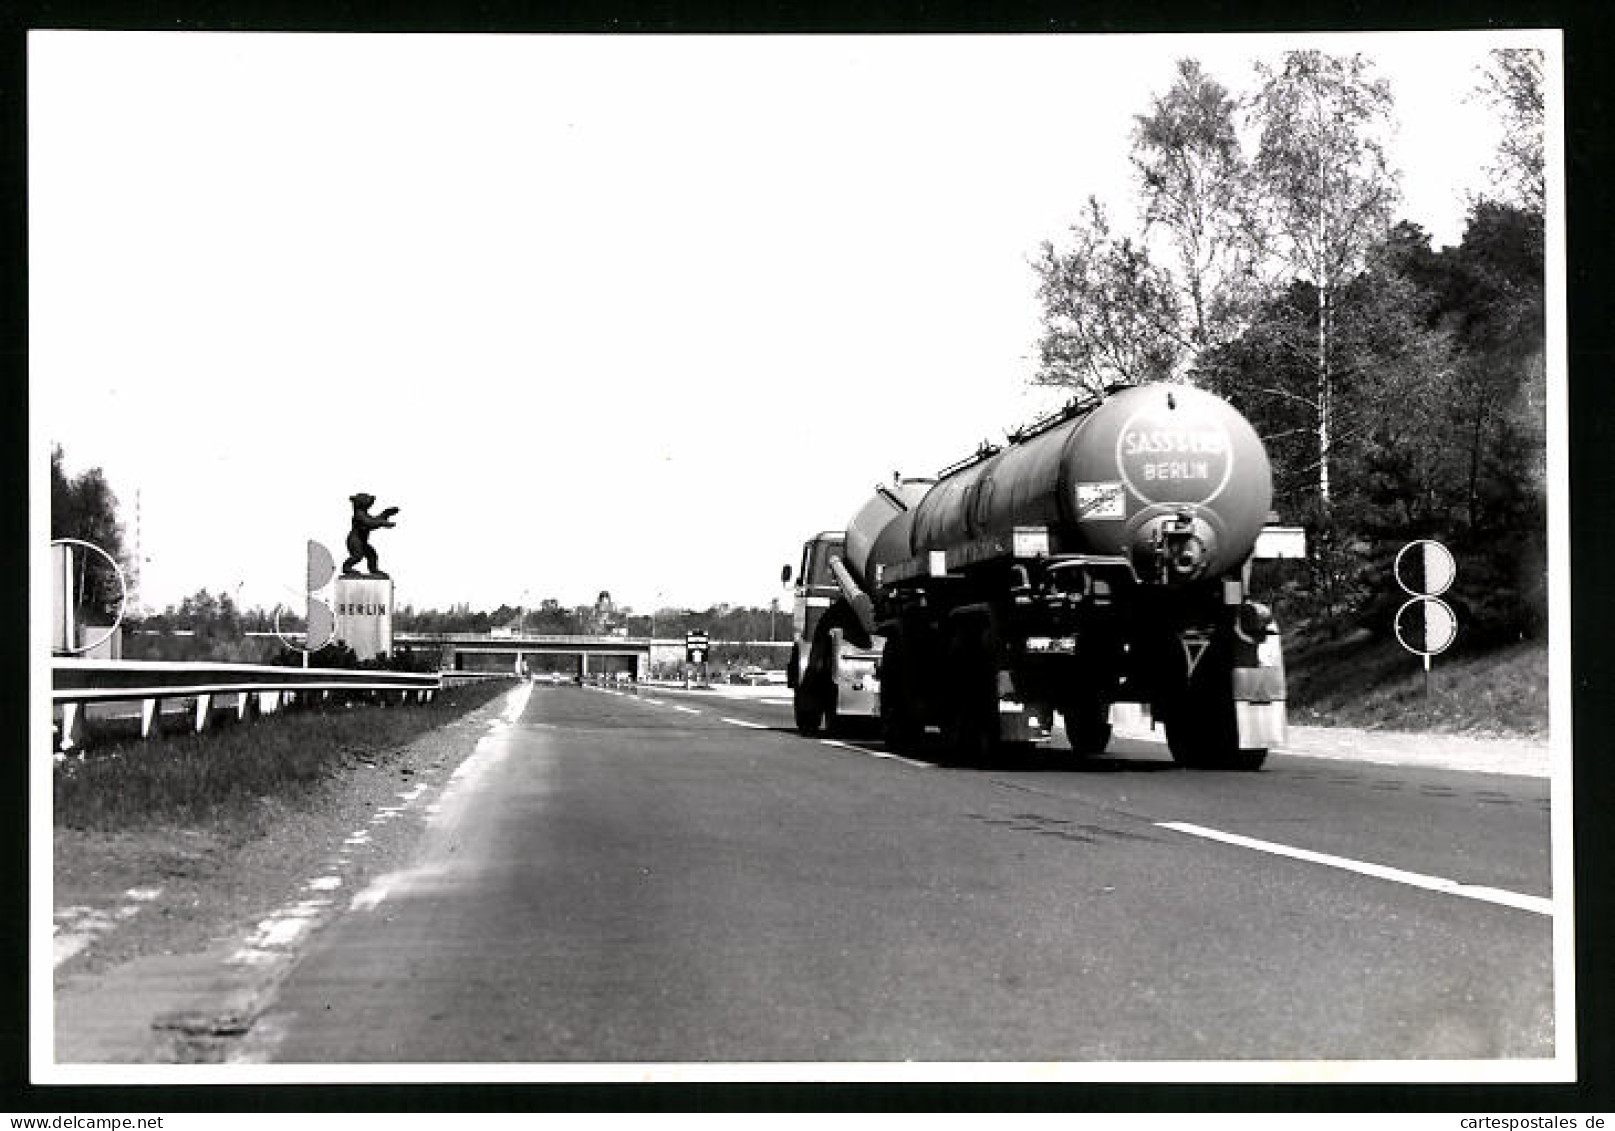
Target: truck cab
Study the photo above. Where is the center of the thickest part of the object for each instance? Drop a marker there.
(831, 678)
(815, 591)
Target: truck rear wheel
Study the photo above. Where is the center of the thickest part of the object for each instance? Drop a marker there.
(898, 726)
(971, 723)
(1202, 732)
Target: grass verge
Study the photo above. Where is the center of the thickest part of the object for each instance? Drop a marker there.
(232, 780)
(1368, 682)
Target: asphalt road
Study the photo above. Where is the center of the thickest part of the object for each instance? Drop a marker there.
(664, 876)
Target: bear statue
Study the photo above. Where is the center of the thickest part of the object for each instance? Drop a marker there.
(359, 535)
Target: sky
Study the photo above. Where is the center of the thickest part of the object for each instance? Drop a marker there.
(633, 314)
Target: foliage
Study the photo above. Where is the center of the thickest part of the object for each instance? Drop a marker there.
(1323, 194)
(1440, 406)
(1195, 187)
(202, 627)
(1109, 312)
(549, 618)
(84, 507)
(1400, 391)
(1513, 84)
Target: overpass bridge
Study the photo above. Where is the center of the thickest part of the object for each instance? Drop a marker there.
(580, 655)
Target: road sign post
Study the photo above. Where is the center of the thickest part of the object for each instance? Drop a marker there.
(1425, 624)
(696, 649)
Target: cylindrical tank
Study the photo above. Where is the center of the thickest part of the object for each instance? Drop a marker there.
(880, 529)
(1168, 475)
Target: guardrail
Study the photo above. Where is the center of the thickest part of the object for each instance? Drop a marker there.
(77, 683)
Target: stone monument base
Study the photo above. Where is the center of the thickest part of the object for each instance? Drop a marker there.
(364, 614)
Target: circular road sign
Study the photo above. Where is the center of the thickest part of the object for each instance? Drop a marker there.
(71, 600)
(1425, 568)
(320, 622)
(1426, 626)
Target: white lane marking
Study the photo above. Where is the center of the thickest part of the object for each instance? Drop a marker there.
(877, 753)
(278, 935)
(1536, 903)
(686, 710)
(378, 890)
(906, 761)
(517, 703)
(744, 723)
(654, 702)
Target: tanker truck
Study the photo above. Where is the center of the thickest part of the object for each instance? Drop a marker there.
(1102, 556)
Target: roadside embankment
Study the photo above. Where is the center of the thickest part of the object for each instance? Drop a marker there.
(1371, 682)
(147, 913)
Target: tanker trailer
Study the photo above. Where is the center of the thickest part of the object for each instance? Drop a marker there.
(1101, 557)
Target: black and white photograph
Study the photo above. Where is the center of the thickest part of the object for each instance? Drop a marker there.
(591, 558)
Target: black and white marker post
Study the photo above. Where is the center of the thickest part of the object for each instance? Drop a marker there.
(1425, 625)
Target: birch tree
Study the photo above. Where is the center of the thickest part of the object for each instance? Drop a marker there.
(1108, 311)
(1324, 192)
(1194, 184)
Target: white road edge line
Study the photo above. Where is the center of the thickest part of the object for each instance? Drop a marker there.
(877, 753)
(1536, 903)
(744, 723)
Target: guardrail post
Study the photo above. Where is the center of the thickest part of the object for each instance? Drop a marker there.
(204, 705)
(148, 715)
(241, 705)
(72, 725)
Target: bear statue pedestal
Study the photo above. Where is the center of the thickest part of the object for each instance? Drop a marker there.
(364, 614)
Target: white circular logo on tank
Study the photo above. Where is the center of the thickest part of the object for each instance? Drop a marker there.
(1174, 455)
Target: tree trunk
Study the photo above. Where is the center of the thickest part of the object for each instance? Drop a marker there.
(1324, 392)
